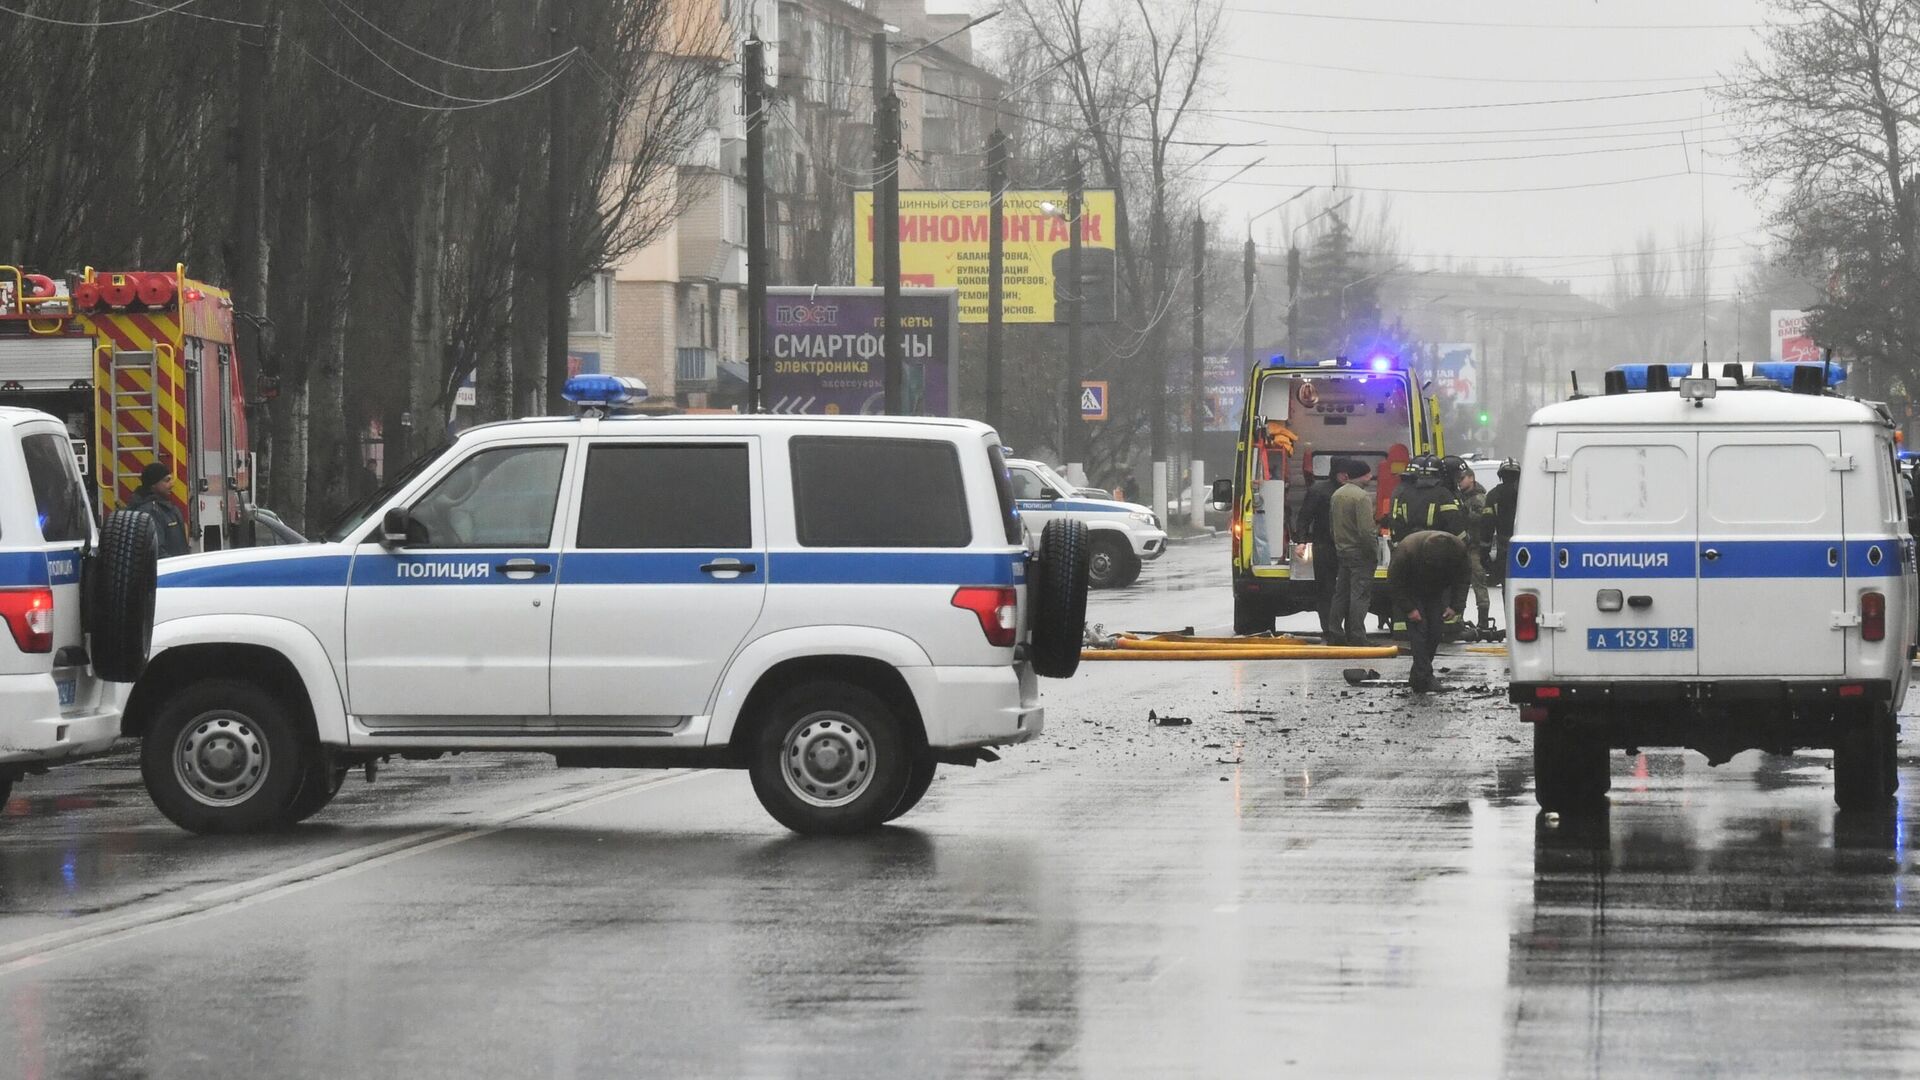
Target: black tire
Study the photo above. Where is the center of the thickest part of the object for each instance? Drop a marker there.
(1111, 563)
(117, 596)
(1865, 759)
(830, 758)
(187, 758)
(919, 779)
(6, 790)
(1057, 593)
(317, 788)
(1570, 773)
(1249, 617)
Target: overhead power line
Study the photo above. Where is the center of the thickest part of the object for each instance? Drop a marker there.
(1465, 107)
(548, 62)
(535, 87)
(1494, 25)
(91, 23)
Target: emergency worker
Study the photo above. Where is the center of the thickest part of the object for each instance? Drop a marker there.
(1502, 499)
(1316, 524)
(1423, 500)
(1427, 567)
(1356, 537)
(1479, 538)
(155, 499)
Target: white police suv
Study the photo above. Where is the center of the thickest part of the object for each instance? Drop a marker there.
(1720, 562)
(837, 605)
(1124, 535)
(63, 642)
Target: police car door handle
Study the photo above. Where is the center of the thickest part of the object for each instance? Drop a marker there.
(727, 566)
(524, 566)
(1710, 554)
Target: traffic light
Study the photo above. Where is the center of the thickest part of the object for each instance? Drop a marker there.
(1485, 418)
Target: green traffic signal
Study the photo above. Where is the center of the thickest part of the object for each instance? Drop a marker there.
(1485, 419)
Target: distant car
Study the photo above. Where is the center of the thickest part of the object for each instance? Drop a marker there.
(64, 643)
(1125, 535)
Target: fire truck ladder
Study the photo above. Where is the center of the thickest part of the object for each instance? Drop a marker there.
(136, 417)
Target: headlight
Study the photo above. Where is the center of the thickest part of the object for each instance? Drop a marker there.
(1148, 520)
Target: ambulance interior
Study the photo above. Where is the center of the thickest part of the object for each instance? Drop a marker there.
(1306, 420)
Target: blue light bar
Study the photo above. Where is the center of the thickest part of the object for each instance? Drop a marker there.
(604, 390)
(1782, 372)
(1637, 373)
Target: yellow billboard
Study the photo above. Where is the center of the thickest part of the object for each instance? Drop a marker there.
(943, 244)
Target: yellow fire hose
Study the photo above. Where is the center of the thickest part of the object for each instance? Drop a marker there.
(1184, 644)
(1177, 647)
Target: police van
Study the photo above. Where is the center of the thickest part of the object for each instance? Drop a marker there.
(64, 643)
(1717, 562)
(1125, 536)
(625, 591)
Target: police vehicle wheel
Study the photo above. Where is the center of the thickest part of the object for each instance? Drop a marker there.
(830, 758)
(1111, 564)
(919, 779)
(1250, 618)
(224, 756)
(317, 788)
(117, 596)
(1057, 591)
(1569, 767)
(1865, 765)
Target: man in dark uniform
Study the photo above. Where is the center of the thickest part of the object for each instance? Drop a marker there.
(155, 499)
(1502, 500)
(1316, 524)
(1427, 567)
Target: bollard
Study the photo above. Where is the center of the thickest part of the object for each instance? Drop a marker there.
(1159, 502)
(1197, 495)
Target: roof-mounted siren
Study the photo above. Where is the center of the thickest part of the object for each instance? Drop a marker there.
(1736, 372)
(1808, 379)
(1653, 377)
(598, 395)
(138, 290)
(1659, 379)
(1615, 381)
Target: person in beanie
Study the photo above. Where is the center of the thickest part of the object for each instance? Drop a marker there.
(155, 499)
(1356, 536)
(1428, 568)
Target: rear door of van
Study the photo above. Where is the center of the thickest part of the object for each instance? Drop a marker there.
(1625, 527)
(1772, 554)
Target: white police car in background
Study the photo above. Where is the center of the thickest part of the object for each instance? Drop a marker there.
(1715, 563)
(54, 704)
(1125, 535)
(626, 591)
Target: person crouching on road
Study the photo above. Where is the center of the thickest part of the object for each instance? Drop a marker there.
(155, 499)
(1427, 568)
(1356, 537)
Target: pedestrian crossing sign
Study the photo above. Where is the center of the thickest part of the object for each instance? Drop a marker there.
(1093, 401)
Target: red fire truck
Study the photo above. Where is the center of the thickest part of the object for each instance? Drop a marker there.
(142, 366)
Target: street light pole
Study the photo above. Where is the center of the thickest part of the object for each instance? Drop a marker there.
(1076, 198)
(887, 161)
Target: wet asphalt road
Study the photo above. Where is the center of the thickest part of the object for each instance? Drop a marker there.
(1306, 881)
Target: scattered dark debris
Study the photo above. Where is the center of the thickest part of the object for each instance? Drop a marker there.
(1157, 720)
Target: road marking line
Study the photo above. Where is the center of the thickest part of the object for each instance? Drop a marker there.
(35, 951)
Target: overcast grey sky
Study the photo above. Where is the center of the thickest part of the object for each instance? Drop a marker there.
(1620, 165)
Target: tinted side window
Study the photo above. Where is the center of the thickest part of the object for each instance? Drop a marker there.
(1003, 490)
(1028, 485)
(57, 492)
(666, 496)
(878, 493)
(496, 498)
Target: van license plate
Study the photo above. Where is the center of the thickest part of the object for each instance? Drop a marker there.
(66, 690)
(1640, 638)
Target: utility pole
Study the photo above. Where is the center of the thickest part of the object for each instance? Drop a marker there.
(883, 161)
(1293, 303)
(1076, 197)
(559, 188)
(1246, 320)
(753, 67)
(888, 212)
(996, 259)
(1199, 335)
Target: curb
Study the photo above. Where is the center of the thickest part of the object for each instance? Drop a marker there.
(1208, 535)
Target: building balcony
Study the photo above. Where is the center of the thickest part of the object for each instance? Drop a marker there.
(695, 364)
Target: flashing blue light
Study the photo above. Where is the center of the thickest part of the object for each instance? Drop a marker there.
(1782, 372)
(1637, 373)
(604, 390)
(1383, 363)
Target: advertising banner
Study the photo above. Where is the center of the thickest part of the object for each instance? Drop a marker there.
(826, 351)
(1223, 392)
(1790, 338)
(1456, 374)
(943, 244)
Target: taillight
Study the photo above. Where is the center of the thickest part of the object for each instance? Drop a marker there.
(1873, 617)
(1526, 617)
(997, 609)
(29, 614)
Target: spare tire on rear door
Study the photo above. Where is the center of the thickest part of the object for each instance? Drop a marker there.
(1057, 593)
(117, 598)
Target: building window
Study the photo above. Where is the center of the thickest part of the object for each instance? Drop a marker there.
(590, 308)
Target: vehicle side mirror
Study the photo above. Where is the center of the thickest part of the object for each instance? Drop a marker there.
(396, 528)
(1222, 497)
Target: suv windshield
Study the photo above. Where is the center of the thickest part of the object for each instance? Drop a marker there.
(1055, 480)
(354, 516)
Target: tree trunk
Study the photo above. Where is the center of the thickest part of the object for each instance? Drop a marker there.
(427, 366)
